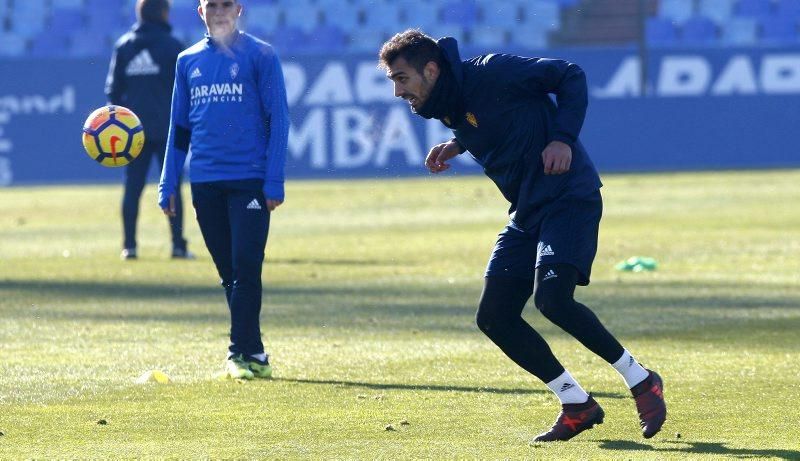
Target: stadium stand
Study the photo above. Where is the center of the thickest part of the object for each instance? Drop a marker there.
(699, 30)
(779, 30)
(754, 8)
(89, 27)
(740, 31)
(719, 11)
(787, 9)
(661, 31)
(676, 10)
(725, 23)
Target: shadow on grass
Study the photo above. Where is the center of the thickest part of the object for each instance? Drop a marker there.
(439, 308)
(653, 295)
(112, 290)
(688, 447)
(121, 290)
(348, 307)
(435, 387)
(334, 262)
(680, 294)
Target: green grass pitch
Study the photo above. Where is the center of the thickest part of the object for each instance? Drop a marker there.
(370, 293)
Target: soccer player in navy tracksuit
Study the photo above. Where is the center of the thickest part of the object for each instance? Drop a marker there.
(140, 78)
(229, 105)
(499, 109)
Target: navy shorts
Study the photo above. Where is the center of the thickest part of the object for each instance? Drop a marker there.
(565, 233)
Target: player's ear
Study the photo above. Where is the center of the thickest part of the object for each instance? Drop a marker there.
(431, 70)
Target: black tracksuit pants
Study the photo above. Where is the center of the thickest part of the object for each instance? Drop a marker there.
(234, 221)
(135, 180)
(499, 316)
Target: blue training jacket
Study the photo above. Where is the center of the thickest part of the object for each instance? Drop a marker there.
(142, 73)
(229, 105)
(509, 118)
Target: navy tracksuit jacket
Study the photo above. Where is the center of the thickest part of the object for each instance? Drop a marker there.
(141, 75)
(140, 78)
(509, 119)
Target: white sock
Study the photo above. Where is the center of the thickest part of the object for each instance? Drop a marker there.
(629, 368)
(567, 389)
(261, 357)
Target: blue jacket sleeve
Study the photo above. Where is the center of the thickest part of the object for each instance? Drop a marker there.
(540, 76)
(115, 81)
(276, 110)
(178, 139)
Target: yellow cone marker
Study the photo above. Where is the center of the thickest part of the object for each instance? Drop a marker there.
(153, 376)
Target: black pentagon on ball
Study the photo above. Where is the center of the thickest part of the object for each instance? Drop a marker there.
(126, 150)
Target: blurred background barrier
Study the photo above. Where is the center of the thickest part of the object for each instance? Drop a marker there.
(703, 109)
(720, 87)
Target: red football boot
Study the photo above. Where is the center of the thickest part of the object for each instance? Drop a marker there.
(649, 397)
(574, 419)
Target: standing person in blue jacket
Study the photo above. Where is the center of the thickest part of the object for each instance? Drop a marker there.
(140, 78)
(499, 109)
(229, 104)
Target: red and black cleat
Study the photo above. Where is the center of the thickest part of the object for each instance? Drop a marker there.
(574, 419)
(649, 397)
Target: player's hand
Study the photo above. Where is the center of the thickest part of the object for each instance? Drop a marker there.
(557, 158)
(272, 204)
(436, 160)
(170, 209)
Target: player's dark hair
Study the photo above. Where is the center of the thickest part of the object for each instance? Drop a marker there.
(151, 10)
(201, 1)
(412, 45)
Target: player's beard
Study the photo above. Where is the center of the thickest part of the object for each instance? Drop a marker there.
(424, 94)
(443, 100)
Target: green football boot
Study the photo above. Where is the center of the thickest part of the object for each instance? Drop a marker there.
(260, 369)
(238, 367)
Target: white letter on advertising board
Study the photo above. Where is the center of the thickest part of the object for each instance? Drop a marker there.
(352, 146)
(310, 135)
(398, 135)
(331, 87)
(683, 76)
(738, 77)
(780, 74)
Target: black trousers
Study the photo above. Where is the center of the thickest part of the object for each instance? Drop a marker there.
(135, 180)
(499, 316)
(234, 221)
